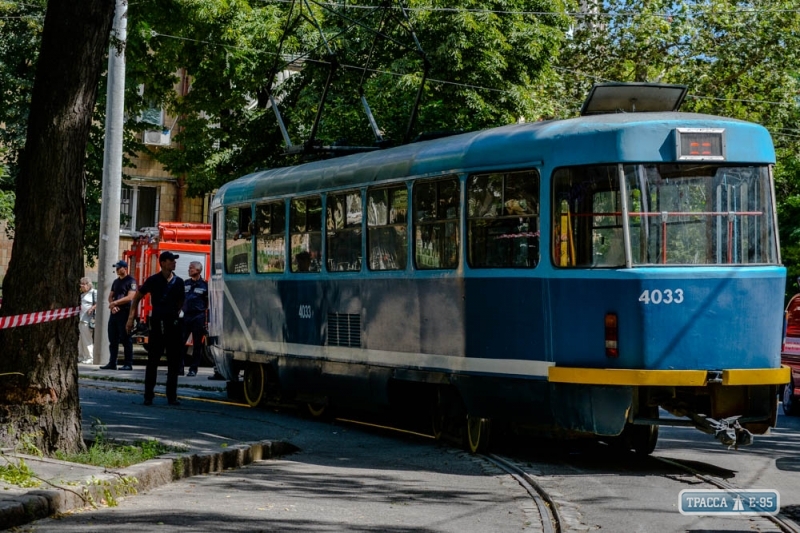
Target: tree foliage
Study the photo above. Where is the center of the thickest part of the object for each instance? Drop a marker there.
(481, 66)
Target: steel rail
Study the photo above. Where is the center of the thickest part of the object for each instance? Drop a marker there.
(548, 510)
(784, 523)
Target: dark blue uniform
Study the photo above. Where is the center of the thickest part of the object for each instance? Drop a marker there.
(166, 297)
(194, 319)
(116, 323)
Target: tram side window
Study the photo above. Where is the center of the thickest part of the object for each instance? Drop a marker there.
(436, 221)
(238, 245)
(503, 220)
(305, 223)
(343, 231)
(587, 221)
(387, 219)
(271, 237)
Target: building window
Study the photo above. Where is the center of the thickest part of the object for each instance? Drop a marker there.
(138, 208)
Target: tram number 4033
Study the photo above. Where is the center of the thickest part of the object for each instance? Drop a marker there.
(305, 311)
(667, 296)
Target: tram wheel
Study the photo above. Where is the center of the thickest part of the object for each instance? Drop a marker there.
(254, 383)
(317, 410)
(643, 438)
(477, 434)
(789, 402)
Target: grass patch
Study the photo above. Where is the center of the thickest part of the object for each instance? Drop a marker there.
(110, 454)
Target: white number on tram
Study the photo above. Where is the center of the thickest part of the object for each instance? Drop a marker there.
(656, 296)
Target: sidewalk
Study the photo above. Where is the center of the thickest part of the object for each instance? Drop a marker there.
(67, 486)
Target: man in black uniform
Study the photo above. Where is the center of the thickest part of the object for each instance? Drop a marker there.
(194, 314)
(166, 298)
(119, 303)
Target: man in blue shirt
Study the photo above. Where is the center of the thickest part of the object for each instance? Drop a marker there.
(194, 314)
(166, 298)
(119, 303)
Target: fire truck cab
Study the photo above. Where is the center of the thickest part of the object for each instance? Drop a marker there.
(192, 242)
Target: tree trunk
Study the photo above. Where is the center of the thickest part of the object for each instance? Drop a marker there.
(38, 363)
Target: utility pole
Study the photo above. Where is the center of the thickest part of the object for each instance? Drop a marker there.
(112, 179)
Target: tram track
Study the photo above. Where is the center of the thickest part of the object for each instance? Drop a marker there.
(786, 525)
(548, 510)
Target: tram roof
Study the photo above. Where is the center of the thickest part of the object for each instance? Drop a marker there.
(593, 139)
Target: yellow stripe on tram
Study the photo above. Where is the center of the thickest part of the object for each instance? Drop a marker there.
(665, 378)
(608, 376)
(759, 376)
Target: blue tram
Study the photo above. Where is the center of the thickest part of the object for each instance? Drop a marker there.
(569, 276)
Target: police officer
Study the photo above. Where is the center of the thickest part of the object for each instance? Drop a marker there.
(194, 314)
(166, 298)
(122, 292)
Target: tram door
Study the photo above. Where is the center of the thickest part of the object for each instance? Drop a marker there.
(215, 280)
(505, 318)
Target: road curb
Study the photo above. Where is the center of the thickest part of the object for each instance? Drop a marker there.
(109, 485)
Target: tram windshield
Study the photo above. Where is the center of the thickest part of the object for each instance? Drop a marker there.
(678, 214)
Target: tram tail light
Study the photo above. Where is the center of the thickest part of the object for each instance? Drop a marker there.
(612, 331)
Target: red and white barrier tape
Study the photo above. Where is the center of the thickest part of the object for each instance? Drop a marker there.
(37, 318)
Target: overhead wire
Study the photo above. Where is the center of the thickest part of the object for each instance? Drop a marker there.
(631, 13)
(303, 56)
(290, 59)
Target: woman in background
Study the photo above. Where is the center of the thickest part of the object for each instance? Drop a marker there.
(86, 325)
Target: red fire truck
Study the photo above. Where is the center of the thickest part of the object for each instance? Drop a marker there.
(790, 356)
(192, 242)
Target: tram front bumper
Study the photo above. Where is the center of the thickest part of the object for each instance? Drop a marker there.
(737, 396)
(669, 378)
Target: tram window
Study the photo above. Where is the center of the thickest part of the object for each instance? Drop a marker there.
(587, 226)
(436, 221)
(678, 214)
(387, 221)
(343, 231)
(271, 237)
(305, 221)
(503, 220)
(700, 213)
(218, 245)
(238, 245)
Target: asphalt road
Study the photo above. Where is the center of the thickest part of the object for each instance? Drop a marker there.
(342, 479)
(345, 478)
(597, 489)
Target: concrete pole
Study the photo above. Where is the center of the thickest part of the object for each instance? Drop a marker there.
(112, 179)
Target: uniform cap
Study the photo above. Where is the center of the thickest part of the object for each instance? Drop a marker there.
(120, 264)
(167, 255)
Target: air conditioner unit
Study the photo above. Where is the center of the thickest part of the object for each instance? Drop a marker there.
(157, 137)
